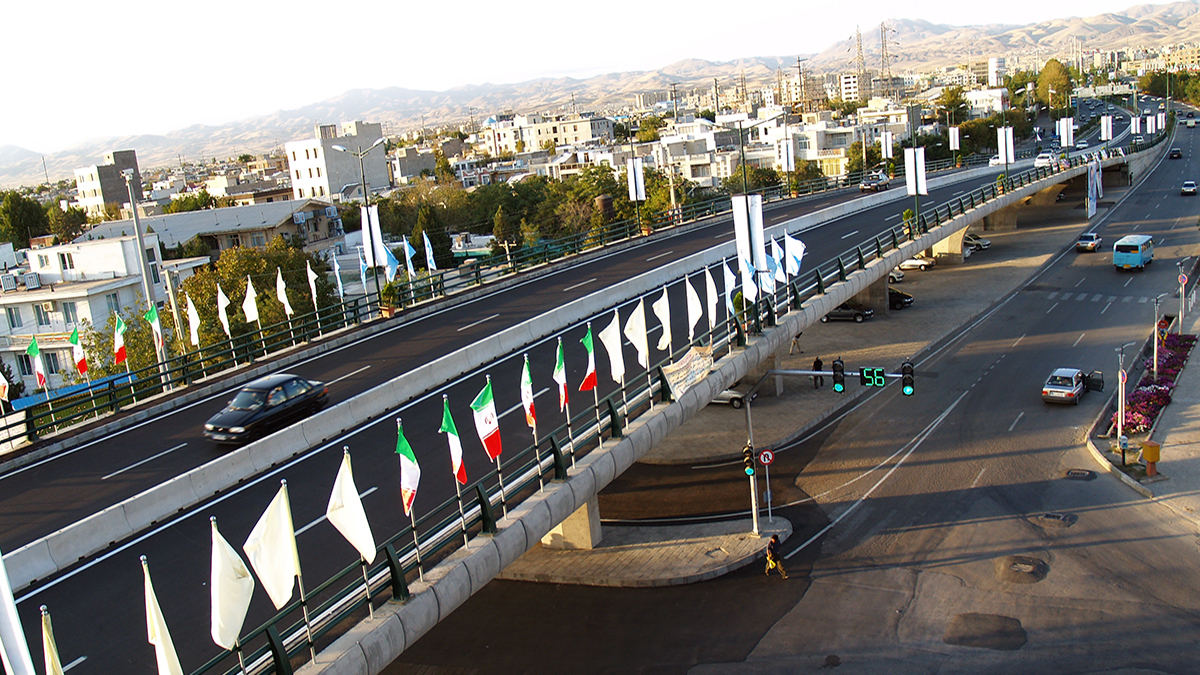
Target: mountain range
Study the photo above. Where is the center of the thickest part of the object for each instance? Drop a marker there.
(912, 46)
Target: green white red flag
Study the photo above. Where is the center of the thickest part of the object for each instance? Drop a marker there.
(77, 353)
(451, 431)
(410, 471)
(589, 378)
(560, 376)
(119, 342)
(527, 395)
(155, 325)
(486, 421)
(39, 368)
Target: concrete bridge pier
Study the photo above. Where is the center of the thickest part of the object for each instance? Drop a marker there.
(580, 531)
(949, 251)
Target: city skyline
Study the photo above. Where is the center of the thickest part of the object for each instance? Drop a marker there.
(228, 68)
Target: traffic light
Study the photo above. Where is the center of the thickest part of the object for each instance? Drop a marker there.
(839, 376)
(748, 459)
(906, 378)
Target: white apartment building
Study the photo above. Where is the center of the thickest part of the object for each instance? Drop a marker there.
(319, 171)
(102, 184)
(526, 133)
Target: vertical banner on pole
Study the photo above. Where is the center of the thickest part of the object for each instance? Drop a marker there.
(1106, 130)
(954, 139)
(885, 144)
(748, 233)
(914, 171)
(637, 182)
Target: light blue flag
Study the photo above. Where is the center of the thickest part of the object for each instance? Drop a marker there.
(730, 286)
(362, 270)
(429, 253)
(409, 252)
(393, 265)
(337, 274)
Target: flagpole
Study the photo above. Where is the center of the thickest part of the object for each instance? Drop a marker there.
(362, 560)
(503, 495)
(237, 649)
(537, 452)
(412, 518)
(599, 428)
(312, 648)
(132, 391)
(462, 516)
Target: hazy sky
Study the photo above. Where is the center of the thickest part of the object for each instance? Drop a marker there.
(86, 69)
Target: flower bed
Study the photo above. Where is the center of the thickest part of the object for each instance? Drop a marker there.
(1146, 401)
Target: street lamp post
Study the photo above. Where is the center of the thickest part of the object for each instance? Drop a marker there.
(1122, 442)
(147, 286)
(366, 227)
(1155, 334)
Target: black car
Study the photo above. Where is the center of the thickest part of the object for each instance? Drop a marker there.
(899, 299)
(848, 312)
(1175, 153)
(874, 183)
(264, 405)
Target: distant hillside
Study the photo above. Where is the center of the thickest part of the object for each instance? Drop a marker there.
(914, 45)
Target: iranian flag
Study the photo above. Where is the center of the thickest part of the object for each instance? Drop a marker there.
(151, 317)
(560, 376)
(589, 378)
(77, 352)
(486, 422)
(35, 355)
(119, 342)
(410, 471)
(451, 431)
(3, 387)
(527, 395)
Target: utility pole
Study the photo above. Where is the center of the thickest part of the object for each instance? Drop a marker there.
(716, 97)
(674, 103)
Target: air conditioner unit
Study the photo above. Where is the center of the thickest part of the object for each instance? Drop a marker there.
(8, 282)
(48, 306)
(32, 280)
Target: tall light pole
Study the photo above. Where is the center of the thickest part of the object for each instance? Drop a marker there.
(366, 227)
(1121, 376)
(1155, 333)
(147, 286)
(1182, 287)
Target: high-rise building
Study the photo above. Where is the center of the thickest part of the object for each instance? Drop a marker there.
(319, 171)
(102, 184)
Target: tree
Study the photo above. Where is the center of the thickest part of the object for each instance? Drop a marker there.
(708, 115)
(953, 103)
(648, 130)
(443, 170)
(16, 387)
(67, 225)
(429, 224)
(245, 158)
(192, 248)
(1054, 75)
(504, 229)
(97, 341)
(191, 202)
(21, 218)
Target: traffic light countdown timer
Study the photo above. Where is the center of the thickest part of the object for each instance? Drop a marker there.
(874, 377)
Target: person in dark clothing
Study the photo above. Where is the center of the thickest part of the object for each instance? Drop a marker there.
(774, 560)
(818, 380)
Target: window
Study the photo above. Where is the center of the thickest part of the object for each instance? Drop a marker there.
(318, 172)
(258, 239)
(297, 174)
(67, 260)
(294, 158)
(310, 172)
(14, 316)
(24, 365)
(154, 276)
(41, 315)
(113, 304)
(51, 361)
(232, 241)
(70, 313)
(43, 260)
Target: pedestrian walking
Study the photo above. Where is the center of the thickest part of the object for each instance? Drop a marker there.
(818, 380)
(774, 560)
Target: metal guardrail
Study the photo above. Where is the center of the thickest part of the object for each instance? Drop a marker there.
(442, 528)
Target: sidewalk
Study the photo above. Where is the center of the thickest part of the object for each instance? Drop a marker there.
(946, 299)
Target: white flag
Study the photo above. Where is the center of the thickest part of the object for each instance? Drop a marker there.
(312, 283)
(611, 338)
(249, 306)
(49, 646)
(749, 281)
(710, 288)
(193, 322)
(337, 276)
(156, 631)
(694, 309)
(281, 292)
(635, 330)
(345, 512)
(793, 250)
(662, 309)
(271, 549)
(231, 588)
(13, 648)
(777, 258)
(222, 310)
(730, 287)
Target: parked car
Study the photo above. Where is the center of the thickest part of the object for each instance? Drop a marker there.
(734, 398)
(976, 242)
(899, 299)
(1189, 188)
(919, 262)
(874, 183)
(995, 161)
(1044, 159)
(895, 276)
(848, 312)
(1088, 241)
(1175, 153)
(264, 405)
(1068, 385)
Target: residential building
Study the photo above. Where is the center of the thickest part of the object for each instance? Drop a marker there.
(318, 170)
(534, 132)
(102, 184)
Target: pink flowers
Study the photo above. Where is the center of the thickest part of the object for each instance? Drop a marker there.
(1146, 401)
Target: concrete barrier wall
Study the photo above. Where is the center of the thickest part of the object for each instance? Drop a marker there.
(91, 535)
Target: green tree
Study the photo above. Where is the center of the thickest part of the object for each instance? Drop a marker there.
(648, 129)
(428, 223)
(21, 218)
(708, 115)
(245, 158)
(953, 104)
(16, 387)
(1054, 75)
(504, 229)
(97, 341)
(192, 202)
(192, 248)
(443, 170)
(67, 225)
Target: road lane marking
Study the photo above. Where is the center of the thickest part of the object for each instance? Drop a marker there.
(660, 255)
(850, 234)
(348, 375)
(1014, 424)
(958, 193)
(1018, 341)
(74, 663)
(1080, 282)
(980, 474)
(1128, 282)
(137, 464)
(320, 520)
(472, 325)
(1076, 344)
(1052, 295)
(1065, 297)
(582, 283)
(893, 217)
(1052, 308)
(521, 406)
(1106, 308)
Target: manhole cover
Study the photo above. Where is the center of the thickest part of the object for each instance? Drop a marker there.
(1080, 474)
(1021, 569)
(985, 631)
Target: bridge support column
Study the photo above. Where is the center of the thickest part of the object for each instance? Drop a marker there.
(768, 364)
(581, 530)
(949, 251)
(1004, 219)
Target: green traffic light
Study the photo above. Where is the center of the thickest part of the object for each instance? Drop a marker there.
(839, 387)
(749, 471)
(908, 390)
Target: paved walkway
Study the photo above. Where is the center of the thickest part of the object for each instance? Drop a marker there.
(947, 298)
